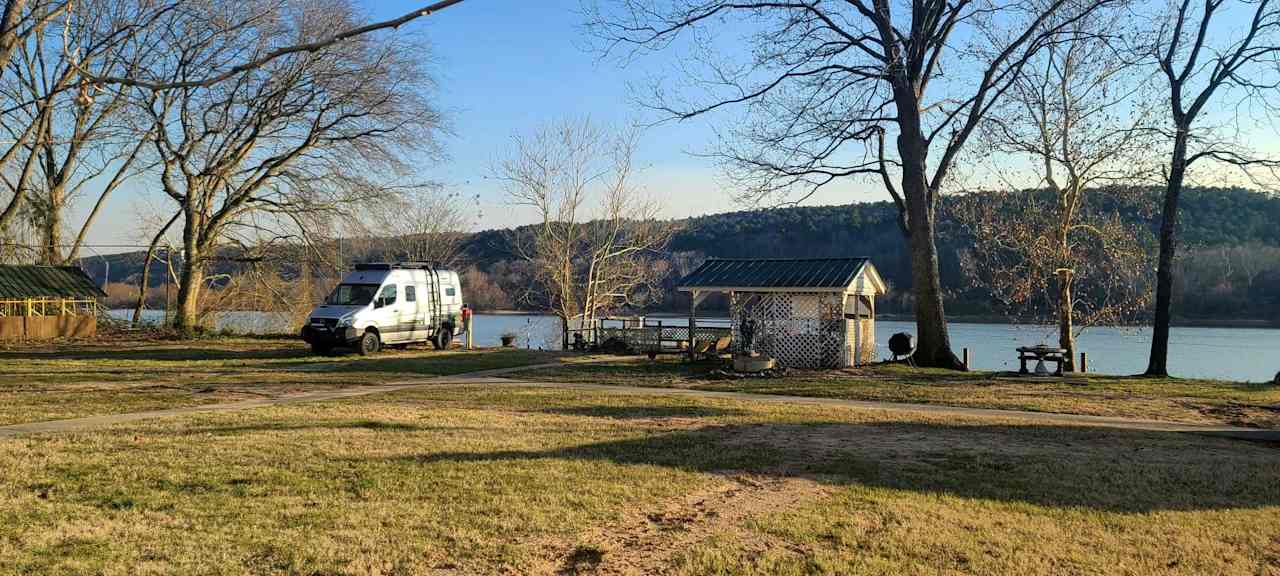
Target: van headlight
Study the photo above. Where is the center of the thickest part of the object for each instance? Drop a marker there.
(344, 322)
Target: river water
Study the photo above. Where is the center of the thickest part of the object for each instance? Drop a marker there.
(1241, 354)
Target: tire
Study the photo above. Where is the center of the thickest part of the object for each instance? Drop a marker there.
(321, 349)
(369, 343)
(443, 337)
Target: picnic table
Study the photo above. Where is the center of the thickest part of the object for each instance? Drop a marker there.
(1040, 354)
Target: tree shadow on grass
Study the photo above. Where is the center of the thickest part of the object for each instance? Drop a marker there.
(419, 360)
(1093, 468)
(632, 412)
(177, 353)
(434, 363)
(336, 425)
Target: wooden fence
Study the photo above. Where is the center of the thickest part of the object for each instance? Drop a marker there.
(47, 318)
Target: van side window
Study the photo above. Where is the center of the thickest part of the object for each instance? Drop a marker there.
(388, 295)
(448, 291)
(410, 293)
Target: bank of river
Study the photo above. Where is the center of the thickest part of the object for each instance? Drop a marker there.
(1242, 354)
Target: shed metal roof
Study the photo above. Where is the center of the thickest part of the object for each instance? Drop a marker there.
(820, 274)
(22, 282)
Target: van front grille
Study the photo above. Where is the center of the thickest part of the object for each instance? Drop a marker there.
(329, 323)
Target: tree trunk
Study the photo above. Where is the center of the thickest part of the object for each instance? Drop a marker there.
(188, 314)
(53, 230)
(933, 346)
(1158, 362)
(142, 287)
(9, 30)
(146, 271)
(55, 181)
(187, 319)
(1066, 337)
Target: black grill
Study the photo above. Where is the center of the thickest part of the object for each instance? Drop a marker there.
(329, 323)
(901, 344)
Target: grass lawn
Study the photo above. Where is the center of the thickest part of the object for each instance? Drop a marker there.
(467, 479)
(1200, 401)
(112, 376)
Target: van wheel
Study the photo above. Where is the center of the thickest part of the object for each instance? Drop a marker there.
(444, 337)
(321, 349)
(369, 344)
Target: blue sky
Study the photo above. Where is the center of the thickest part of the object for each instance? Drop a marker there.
(507, 67)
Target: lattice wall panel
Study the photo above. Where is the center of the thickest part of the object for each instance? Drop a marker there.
(799, 330)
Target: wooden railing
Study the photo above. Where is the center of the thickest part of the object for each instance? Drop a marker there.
(657, 337)
(48, 307)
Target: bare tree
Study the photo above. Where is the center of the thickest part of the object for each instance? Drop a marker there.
(1208, 51)
(826, 83)
(1094, 274)
(1078, 118)
(81, 135)
(423, 223)
(483, 293)
(62, 131)
(597, 234)
(266, 156)
(145, 282)
(20, 20)
(86, 67)
(250, 13)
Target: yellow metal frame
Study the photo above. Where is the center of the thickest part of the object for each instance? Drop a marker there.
(48, 307)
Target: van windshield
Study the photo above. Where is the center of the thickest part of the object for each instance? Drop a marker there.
(352, 295)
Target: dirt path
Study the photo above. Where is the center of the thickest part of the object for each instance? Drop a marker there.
(492, 378)
(92, 422)
(647, 541)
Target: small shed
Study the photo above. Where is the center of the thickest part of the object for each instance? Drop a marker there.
(804, 312)
(43, 302)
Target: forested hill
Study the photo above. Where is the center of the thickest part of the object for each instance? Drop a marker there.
(1215, 222)
(1230, 242)
(1211, 217)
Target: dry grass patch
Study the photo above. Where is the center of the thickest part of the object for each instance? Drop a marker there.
(50, 382)
(469, 479)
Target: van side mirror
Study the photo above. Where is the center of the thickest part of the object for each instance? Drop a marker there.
(378, 303)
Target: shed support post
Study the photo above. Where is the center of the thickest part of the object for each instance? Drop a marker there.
(871, 333)
(693, 324)
(858, 339)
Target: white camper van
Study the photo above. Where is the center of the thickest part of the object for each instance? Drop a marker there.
(388, 304)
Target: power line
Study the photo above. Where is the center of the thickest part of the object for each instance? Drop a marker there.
(34, 246)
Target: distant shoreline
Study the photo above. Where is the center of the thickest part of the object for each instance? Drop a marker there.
(1177, 323)
(969, 319)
